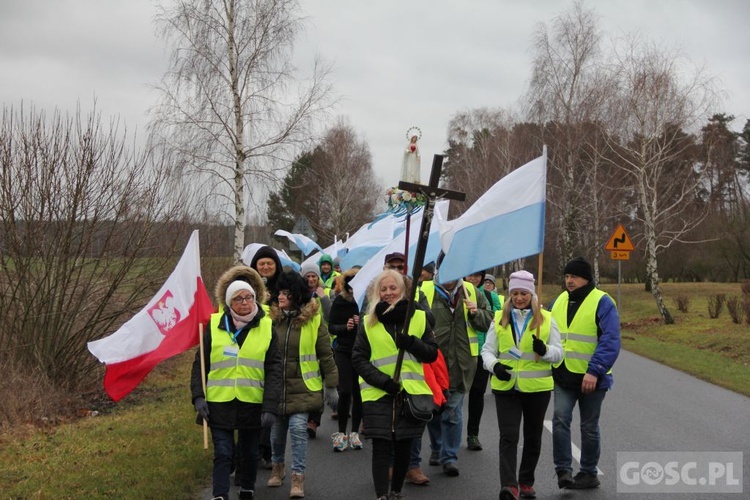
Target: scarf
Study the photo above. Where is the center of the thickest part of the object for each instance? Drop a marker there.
(241, 322)
(396, 316)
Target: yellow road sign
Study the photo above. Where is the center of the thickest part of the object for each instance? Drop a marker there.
(619, 241)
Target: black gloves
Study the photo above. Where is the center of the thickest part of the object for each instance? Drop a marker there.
(267, 420)
(539, 346)
(501, 371)
(404, 341)
(392, 387)
(201, 407)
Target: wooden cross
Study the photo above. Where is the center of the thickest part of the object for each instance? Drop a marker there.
(432, 192)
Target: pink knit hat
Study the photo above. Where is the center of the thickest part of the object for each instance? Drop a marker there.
(522, 280)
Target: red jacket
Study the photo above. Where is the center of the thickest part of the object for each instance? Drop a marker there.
(436, 376)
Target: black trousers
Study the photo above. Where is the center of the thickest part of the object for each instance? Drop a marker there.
(387, 452)
(349, 393)
(512, 407)
(476, 398)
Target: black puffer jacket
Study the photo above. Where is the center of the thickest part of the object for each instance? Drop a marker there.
(378, 415)
(343, 308)
(236, 414)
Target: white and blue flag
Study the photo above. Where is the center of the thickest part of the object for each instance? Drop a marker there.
(504, 224)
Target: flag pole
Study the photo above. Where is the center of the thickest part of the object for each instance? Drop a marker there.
(203, 381)
(539, 294)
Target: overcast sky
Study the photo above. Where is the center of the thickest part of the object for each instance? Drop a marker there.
(397, 64)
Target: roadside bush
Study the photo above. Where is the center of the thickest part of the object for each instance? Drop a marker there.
(682, 302)
(715, 305)
(81, 249)
(736, 309)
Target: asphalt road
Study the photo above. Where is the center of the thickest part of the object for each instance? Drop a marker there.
(651, 409)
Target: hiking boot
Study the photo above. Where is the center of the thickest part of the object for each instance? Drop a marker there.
(509, 493)
(277, 475)
(434, 457)
(527, 491)
(584, 481)
(247, 494)
(472, 442)
(396, 495)
(564, 479)
(340, 442)
(416, 476)
(312, 429)
(298, 486)
(355, 442)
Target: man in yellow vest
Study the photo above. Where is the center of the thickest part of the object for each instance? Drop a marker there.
(590, 329)
(460, 312)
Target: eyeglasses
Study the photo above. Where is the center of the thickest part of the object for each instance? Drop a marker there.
(240, 300)
(398, 267)
(285, 293)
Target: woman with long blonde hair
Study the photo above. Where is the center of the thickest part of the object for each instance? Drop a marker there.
(379, 338)
(522, 344)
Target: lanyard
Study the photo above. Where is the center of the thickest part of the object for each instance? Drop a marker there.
(229, 330)
(515, 325)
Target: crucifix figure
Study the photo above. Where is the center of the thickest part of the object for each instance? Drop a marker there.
(432, 193)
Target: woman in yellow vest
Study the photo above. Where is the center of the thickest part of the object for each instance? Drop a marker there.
(243, 378)
(522, 344)
(374, 354)
(307, 361)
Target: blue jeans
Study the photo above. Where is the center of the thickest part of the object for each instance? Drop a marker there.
(223, 440)
(296, 425)
(416, 452)
(445, 431)
(589, 408)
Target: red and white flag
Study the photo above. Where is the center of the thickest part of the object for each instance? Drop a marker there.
(167, 326)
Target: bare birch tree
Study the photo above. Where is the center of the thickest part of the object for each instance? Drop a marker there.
(657, 102)
(231, 103)
(564, 95)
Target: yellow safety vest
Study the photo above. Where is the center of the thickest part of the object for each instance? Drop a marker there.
(428, 288)
(579, 339)
(237, 374)
(383, 354)
(308, 356)
(528, 375)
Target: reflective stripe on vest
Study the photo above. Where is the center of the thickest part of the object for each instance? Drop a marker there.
(308, 357)
(579, 339)
(428, 288)
(242, 376)
(528, 375)
(383, 355)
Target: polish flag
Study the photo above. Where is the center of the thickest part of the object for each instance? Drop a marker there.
(167, 326)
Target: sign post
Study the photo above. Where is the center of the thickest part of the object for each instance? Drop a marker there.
(619, 247)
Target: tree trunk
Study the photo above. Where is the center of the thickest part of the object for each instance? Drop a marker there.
(652, 271)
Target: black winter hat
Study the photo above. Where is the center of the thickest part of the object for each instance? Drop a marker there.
(300, 293)
(579, 267)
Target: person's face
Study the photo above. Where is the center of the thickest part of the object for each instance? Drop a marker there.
(389, 290)
(312, 280)
(413, 139)
(266, 267)
(573, 282)
(489, 285)
(285, 301)
(396, 265)
(450, 285)
(337, 268)
(425, 276)
(475, 279)
(325, 267)
(521, 298)
(243, 303)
